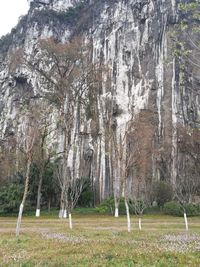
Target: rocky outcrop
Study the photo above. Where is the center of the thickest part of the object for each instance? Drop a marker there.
(132, 38)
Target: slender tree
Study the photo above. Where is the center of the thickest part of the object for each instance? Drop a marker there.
(29, 135)
(124, 159)
(187, 184)
(69, 80)
(43, 155)
(136, 156)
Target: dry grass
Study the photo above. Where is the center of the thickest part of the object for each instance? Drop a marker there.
(99, 240)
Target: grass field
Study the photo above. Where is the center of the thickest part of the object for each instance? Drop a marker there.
(100, 240)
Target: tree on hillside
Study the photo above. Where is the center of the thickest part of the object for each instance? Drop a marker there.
(186, 48)
(186, 33)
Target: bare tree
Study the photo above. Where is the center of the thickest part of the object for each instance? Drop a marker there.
(70, 191)
(75, 189)
(58, 172)
(188, 180)
(118, 170)
(133, 158)
(43, 155)
(67, 76)
(141, 141)
(138, 205)
(75, 76)
(8, 157)
(29, 135)
(124, 162)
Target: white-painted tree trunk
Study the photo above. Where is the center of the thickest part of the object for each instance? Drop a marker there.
(70, 221)
(21, 208)
(116, 207)
(65, 214)
(19, 219)
(116, 212)
(128, 216)
(62, 204)
(61, 213)
(37, 214)
(186, 221)
(140, 224)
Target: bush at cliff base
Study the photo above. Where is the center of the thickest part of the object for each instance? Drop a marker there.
(176, 209)
(10, 197)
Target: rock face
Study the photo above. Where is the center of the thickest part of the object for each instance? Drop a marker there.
(132, 37)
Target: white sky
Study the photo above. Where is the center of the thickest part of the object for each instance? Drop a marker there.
(10, 11)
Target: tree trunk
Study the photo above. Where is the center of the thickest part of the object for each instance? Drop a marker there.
(39, 196)
(186, 221)
(116, 208)
(19, 219)
(62, 204)
(49, 205)
(116, 212)
(70, 221)
(140, 224)
(65, 214)
(128, 216)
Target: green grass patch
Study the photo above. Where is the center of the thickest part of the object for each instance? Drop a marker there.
(98, 240)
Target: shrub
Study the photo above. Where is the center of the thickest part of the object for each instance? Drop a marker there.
(192, 209)
(122, 208)
(86, 198)
(5, 42)
(175, 209)
(10, 197)
(163, 193)
(68, 17)
(108, 206)
(153, 210)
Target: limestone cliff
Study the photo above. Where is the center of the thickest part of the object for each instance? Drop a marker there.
(133, 38)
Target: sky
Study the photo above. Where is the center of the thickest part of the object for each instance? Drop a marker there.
(10, 11)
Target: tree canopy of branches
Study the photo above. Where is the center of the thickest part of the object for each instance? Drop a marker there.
(189, 146)
(68, 79)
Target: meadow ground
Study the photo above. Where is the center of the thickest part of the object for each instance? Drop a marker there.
(100, 240)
